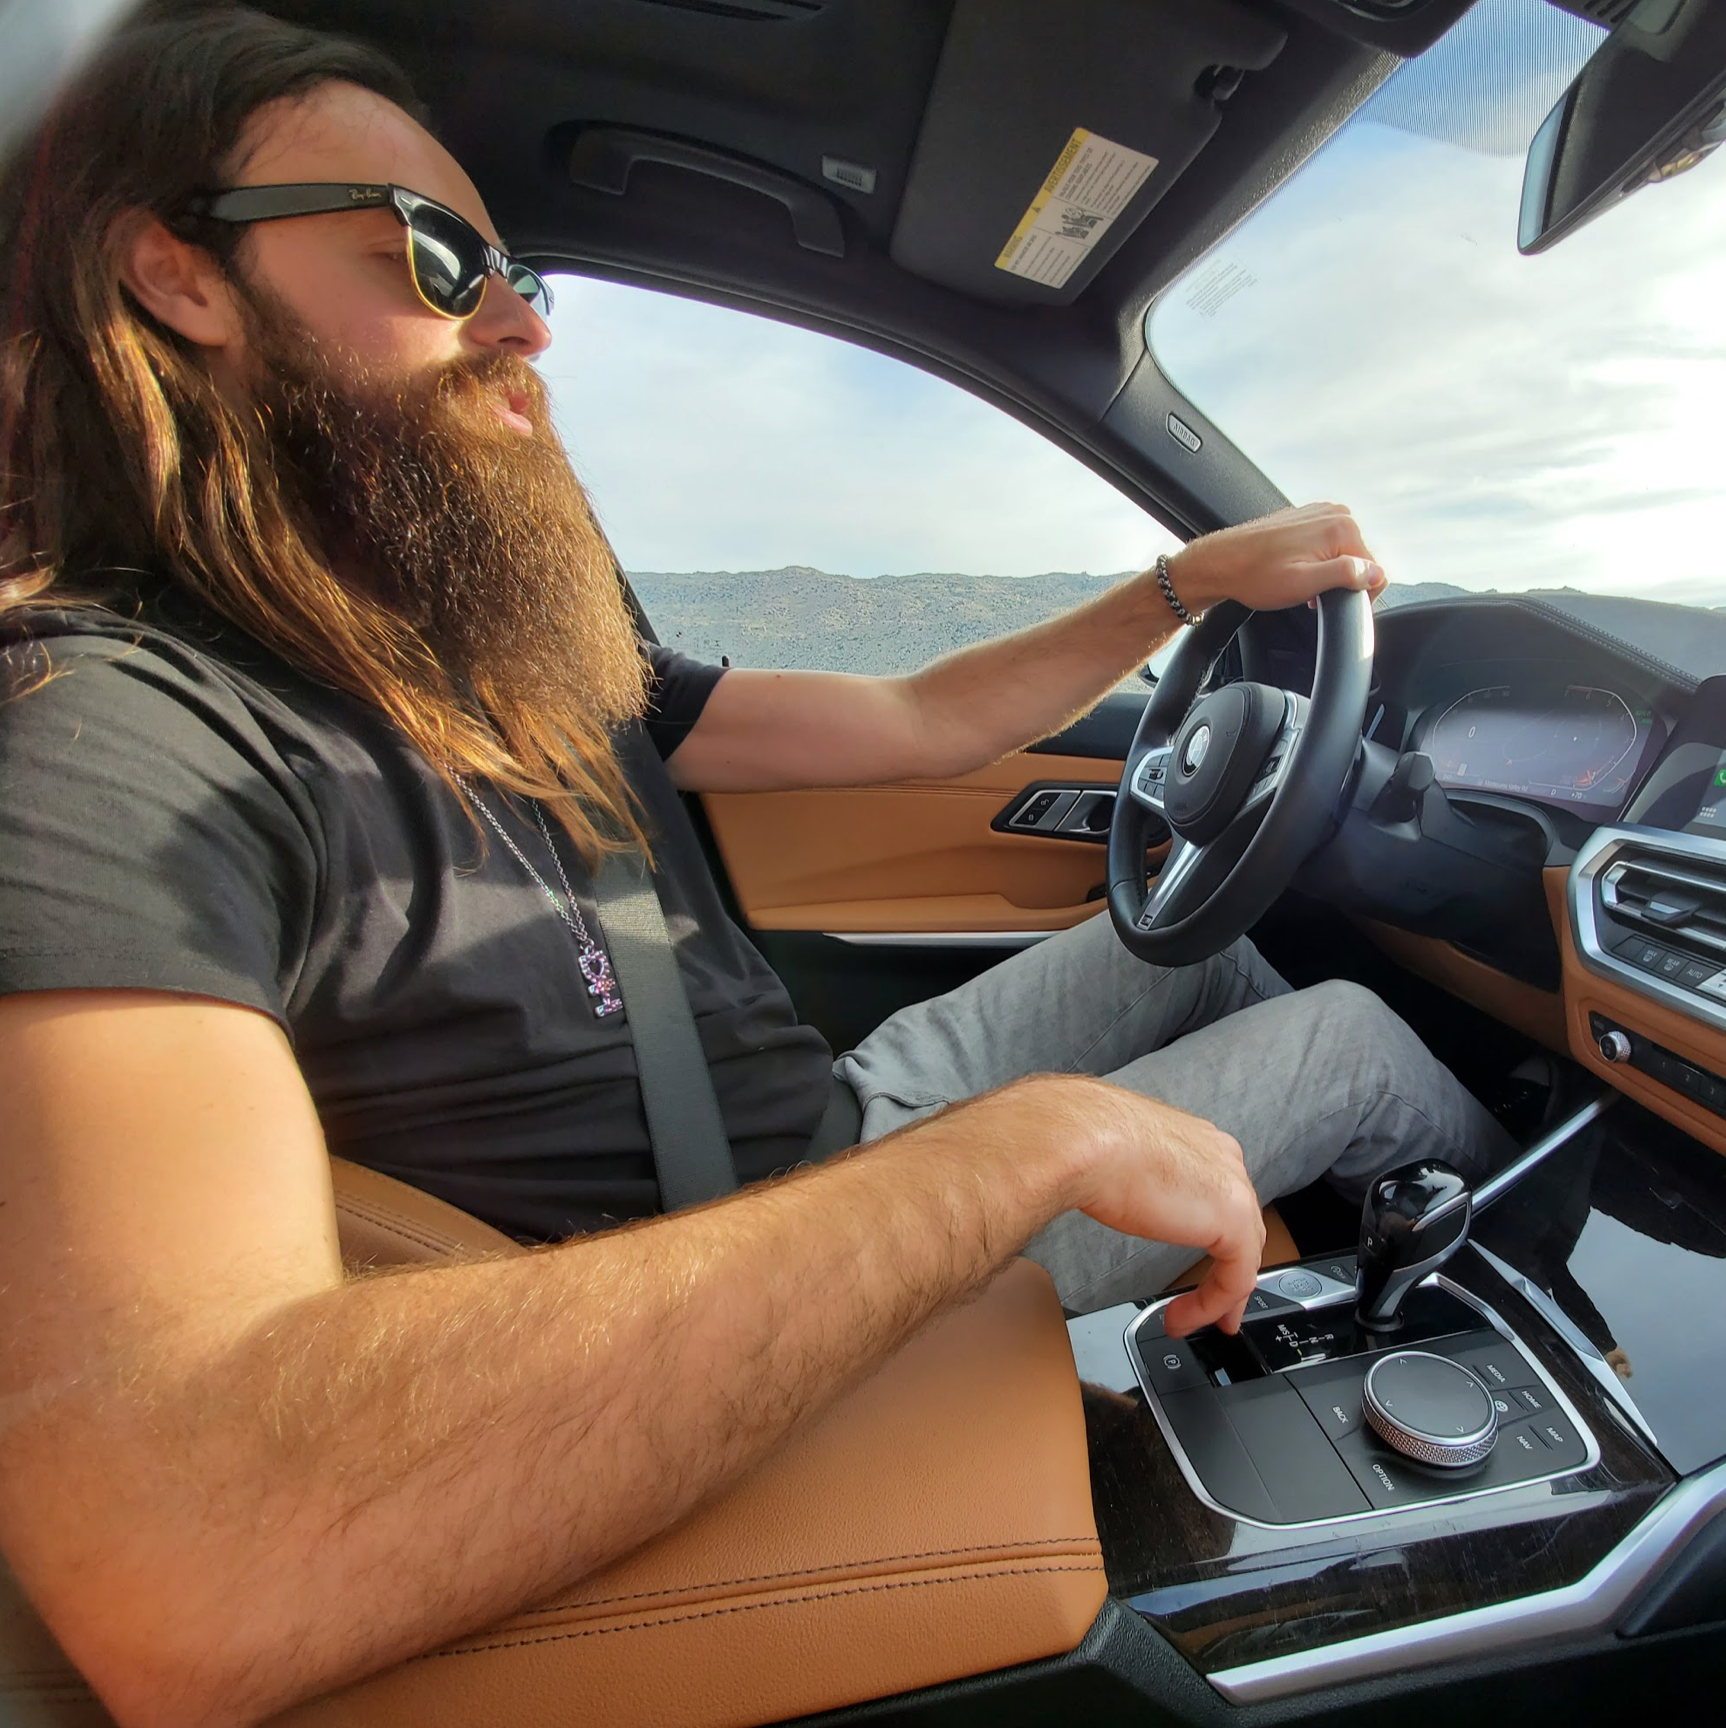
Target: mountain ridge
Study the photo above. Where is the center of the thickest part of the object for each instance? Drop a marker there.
(800, 616)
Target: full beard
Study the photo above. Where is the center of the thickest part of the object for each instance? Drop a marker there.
(473, 534)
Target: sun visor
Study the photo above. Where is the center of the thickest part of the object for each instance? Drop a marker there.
(1051, 130)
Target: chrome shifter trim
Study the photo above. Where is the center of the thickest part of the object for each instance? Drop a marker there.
(1542, 1149)
(1594, 1603)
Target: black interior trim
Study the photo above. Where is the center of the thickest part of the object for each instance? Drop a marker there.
(603, 158)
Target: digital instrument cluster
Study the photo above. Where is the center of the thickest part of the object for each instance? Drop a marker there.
(1580, 746)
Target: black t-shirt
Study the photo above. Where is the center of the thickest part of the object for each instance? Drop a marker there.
(182, 811)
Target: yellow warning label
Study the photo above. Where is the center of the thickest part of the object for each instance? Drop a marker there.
(1091, 183)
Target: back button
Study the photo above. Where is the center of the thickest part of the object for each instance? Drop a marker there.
(1332, 1394)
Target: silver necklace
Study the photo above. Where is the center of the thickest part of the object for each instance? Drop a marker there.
(593, 960)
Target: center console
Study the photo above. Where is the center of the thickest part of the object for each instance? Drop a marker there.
(1472, 1433)
(1362, 1385)
(1491, 1433)
(1308, 1416)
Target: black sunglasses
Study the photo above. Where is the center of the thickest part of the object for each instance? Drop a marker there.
(448, 258)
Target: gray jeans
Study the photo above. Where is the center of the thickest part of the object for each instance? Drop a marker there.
(1320, 1082)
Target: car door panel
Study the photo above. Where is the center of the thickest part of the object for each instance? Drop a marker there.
(919, 857)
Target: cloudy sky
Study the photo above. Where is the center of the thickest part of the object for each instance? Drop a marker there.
(713, 440)
(1495, 421)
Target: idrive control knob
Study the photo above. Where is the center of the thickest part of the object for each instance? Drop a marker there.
(1430, 1409)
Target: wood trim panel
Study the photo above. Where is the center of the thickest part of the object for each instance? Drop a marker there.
(1584, 993)
(916, 856)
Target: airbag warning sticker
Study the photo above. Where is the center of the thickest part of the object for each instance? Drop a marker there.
(1092, 182)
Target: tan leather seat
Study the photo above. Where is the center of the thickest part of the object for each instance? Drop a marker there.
(934, 1523)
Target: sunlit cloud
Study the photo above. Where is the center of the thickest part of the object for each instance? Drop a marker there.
(1496, 421)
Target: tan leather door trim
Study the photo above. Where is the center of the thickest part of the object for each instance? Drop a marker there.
(1560, 1019)
(919, 856)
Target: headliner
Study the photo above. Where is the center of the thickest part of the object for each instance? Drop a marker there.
(958, 105)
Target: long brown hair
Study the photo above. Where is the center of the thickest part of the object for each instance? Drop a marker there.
(121, 461)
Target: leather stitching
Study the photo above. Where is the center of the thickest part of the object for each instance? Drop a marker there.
(815, 1571)
(427, 1236)
(753, 1607)
(1604, 638)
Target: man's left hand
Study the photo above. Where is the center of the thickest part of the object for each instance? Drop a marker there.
(1276, 561)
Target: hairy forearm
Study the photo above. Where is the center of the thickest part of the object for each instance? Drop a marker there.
(448, 1445)
(977, 704)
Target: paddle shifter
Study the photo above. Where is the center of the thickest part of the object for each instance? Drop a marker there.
(1413, 1219)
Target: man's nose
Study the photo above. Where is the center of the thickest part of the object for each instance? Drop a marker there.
(505, 320)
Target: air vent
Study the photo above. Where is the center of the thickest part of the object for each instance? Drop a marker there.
(754, 11)
(1683, 903)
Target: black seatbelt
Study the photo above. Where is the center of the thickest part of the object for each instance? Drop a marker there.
(691, 1156)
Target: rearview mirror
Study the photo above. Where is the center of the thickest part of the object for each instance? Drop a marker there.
(1649, 104)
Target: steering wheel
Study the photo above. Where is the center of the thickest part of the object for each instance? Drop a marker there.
(1247, 779)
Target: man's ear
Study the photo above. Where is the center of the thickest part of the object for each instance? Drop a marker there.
(176, 282)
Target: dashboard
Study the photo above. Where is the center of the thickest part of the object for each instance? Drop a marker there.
(1580, 741)
(1578, 744)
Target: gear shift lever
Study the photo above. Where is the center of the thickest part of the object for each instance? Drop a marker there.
(1413, 1219)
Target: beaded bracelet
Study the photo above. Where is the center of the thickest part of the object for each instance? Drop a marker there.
(1171, 596)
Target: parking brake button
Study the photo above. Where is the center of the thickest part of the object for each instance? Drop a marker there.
(1170, 1364)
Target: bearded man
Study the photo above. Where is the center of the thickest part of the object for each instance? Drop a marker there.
(322, 704)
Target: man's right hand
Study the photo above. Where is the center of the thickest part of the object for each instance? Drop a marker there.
(1154, 1171)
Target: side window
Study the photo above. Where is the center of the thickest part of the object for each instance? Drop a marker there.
(784, 499)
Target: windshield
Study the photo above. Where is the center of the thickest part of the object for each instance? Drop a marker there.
(1371, 335)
